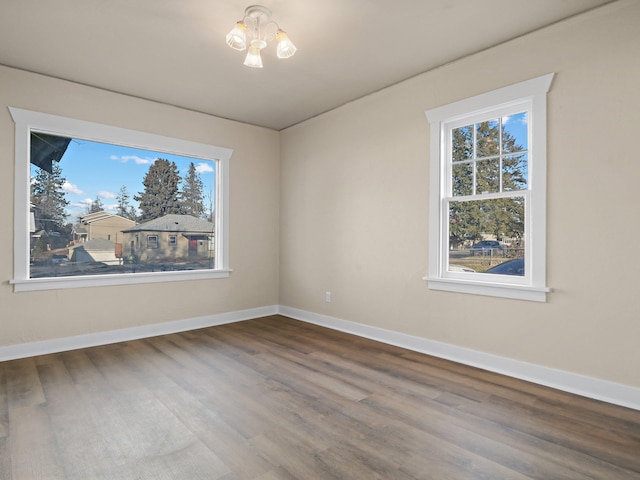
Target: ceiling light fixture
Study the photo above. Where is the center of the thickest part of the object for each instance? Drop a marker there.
(257, 29)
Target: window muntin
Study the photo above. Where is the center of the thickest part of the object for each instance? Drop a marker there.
(487, 155)
(30, 124)
(490, 156)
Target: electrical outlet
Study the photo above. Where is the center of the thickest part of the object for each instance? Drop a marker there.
(327, 297)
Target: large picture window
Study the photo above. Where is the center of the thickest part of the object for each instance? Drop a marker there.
(487, 216)
(101, 205)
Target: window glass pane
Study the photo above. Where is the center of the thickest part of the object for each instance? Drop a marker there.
(462, 143)
(99, 209)
(462, 179)
(488, 138)
(484, 234)
(488, 176)
(515, 172)
(515, 133)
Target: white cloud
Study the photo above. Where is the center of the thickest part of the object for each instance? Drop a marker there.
(204, 168)
(104, 194)
(522, 118)
(71, 188)
(133, 158)
(79, 208)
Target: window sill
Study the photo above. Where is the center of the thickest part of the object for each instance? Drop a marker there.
(56, 283)
(519, 292)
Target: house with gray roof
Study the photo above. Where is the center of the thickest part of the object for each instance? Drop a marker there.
(171, 238)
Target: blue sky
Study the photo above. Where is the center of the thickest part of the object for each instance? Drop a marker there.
(97, 169)
(517, 125)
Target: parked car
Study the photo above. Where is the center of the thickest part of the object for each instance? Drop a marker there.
(512, 267)
(59, 259)
(486, 246)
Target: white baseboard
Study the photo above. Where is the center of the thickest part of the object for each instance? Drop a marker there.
(616, 393)
(44, 347)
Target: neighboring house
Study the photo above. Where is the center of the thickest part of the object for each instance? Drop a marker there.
(80, 234)
(96, 250)
(100, 225)
(169, 238)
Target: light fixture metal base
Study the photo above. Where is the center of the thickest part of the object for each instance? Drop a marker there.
(258, 13)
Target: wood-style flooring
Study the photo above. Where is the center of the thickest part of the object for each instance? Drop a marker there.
(275, 398)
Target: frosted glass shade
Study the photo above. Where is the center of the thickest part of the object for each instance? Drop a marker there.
(237, 37)
(286, 48)
(253, 58)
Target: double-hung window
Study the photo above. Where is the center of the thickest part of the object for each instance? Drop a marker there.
(488, 193)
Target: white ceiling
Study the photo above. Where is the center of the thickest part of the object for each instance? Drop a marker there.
(173, 51)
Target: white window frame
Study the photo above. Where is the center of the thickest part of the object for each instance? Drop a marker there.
(152, 243)
(26, 121)
(173, 240)
(531, 96)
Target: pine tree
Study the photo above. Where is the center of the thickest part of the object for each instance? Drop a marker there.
(95, 206)
(191, 196)
(124, 208)
(469, 220)
(160, 196)
(48, 199)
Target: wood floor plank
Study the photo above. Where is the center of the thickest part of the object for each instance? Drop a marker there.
(598, 443)
(4, 406)
(23, 384)
(142, 434)
(185, 401)
(113, 428)
(5, 454)
(32, 444)
(531, 456)
(275, 398)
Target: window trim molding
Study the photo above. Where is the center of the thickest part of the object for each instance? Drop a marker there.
(533, 92)
(26, 120)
